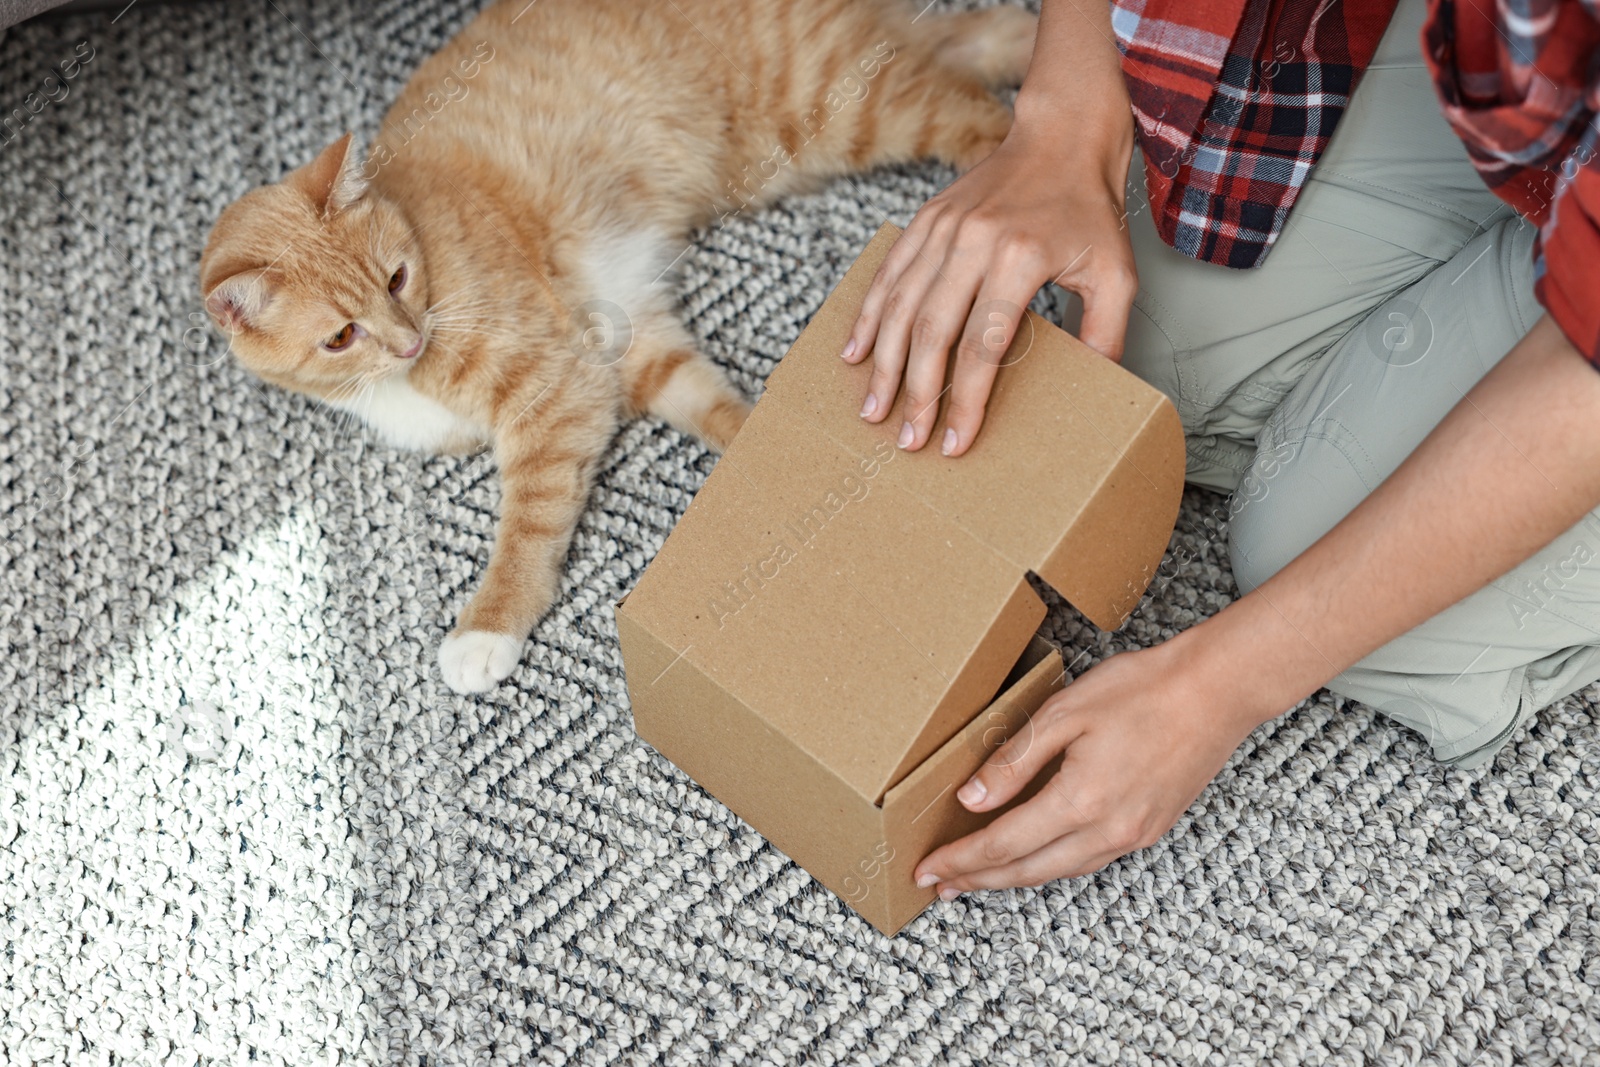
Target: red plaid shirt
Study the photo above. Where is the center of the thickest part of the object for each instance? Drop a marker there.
(1234, 101)
(1523, 94)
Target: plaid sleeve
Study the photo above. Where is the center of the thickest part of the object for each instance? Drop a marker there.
(1233, 102)
(1520, 84)
(1567, 267)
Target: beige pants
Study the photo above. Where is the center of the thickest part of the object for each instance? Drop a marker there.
(1397, 283)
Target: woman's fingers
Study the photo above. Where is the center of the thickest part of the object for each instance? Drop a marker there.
(997, 310)
(892, 314)
(959, 278)
(926, 300)
(893, 340)
(1019, 832)
(935, 325)
(1107, 301)
(904, 251)
(1019, 761)
(1069, 856)
(1012, 767)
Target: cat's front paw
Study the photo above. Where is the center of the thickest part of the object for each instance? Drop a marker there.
(472, 662)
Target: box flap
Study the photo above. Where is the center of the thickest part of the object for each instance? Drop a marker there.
(866, 602)
(1067, 433)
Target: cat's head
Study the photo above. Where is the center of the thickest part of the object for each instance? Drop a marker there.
(318, 282)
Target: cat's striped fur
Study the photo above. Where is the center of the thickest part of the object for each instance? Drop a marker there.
(536, 180)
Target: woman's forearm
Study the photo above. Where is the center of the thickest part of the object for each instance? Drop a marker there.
(1074, 86)
(1513, 465)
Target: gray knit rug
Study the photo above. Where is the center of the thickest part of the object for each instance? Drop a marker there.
(242, 820)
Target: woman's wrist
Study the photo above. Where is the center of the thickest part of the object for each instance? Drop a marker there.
(1227, 669)
(1067, 159)
(1101, 138)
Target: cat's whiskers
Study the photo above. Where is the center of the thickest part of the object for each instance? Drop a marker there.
(462, 310)
(342, 399)
(464, 302)
(361, 404)
(354, 399)
(336, 396)
(464, 314)
(472, 317)
(469, 326)
(455, 305)
(330, 401)
(453, 333)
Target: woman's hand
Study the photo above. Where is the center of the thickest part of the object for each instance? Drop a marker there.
(1046, 206)
(1513, 465)
(1142, 737)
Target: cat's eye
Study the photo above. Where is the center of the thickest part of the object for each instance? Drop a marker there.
(341, 339)
(397, 280)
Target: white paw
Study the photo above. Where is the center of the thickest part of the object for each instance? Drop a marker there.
(474, 661)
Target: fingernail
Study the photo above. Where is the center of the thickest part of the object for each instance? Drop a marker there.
(869, 407)
(949, 894)
(949, 445)
(907, 435)
(972, 793)
(849, 349)
(926, 880)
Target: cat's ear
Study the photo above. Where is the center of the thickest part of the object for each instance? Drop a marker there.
(237, 301)
(333, 180)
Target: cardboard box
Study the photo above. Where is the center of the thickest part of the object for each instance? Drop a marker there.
(838, 633)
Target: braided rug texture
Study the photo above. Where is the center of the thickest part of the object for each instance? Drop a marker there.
(243, 821)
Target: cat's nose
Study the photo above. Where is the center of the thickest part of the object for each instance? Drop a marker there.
(414, 349)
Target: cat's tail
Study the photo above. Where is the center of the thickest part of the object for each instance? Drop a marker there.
(993, 45)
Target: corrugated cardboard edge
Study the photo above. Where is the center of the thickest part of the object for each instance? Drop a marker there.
(1013, 623)
(695, 732)
(926, 797)
(921, 813)
(1123, 540)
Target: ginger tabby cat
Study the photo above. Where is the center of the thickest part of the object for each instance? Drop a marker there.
(497, 270)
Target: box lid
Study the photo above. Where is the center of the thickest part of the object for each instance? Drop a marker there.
(866, 602)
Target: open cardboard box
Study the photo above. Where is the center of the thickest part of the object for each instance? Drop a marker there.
(837, 633)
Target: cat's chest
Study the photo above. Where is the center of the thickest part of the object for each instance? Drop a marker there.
(407, 419)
